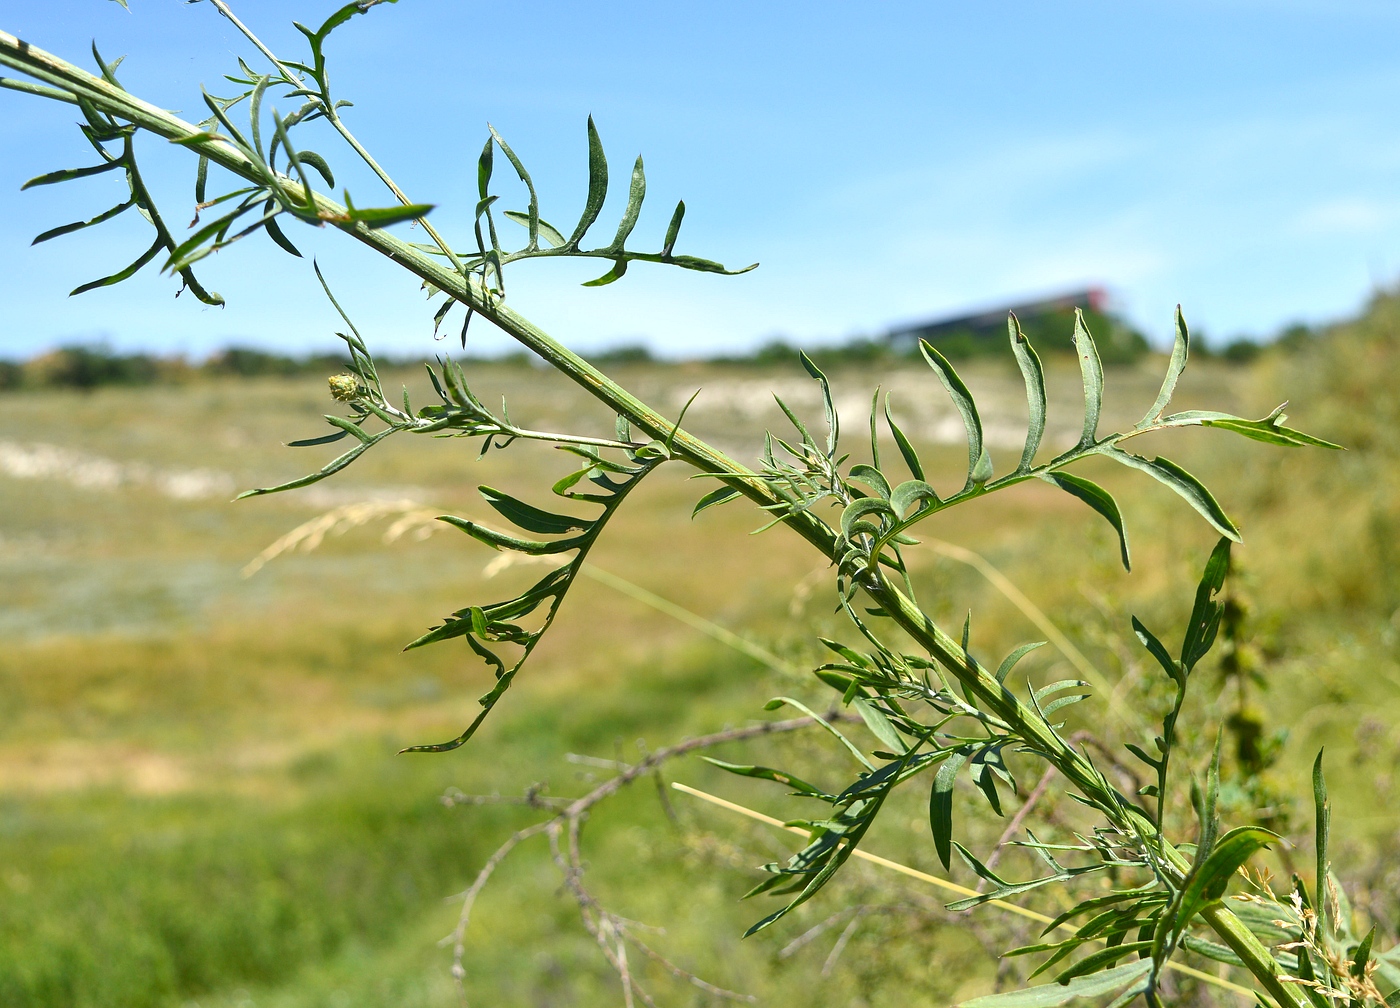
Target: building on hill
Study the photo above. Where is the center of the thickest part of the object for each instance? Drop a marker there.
(1048, 323)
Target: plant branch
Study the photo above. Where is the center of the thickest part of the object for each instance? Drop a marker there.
(472, 293)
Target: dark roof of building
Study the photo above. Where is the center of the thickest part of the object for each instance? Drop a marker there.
(994, 319)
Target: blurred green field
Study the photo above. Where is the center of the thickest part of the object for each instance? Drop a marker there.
(199, 798)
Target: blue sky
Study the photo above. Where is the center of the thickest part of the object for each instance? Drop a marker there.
(884, 162)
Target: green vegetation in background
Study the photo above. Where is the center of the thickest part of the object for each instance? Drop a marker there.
(87, 366)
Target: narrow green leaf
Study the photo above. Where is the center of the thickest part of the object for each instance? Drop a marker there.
(1181, 349)
(71, 173)
(851, 518)
(532, 216)
(636, 193)
(910, 493)
(767, 773)
(597, 185)
(833, 422)
(546, 230)
(880, 725)
(121, 275)
(1206, 611)
(1034, 377)
(319, 163)
(1210, 878)
(673, 230)
(1191, 490)
(873, 478)
(1363, 954)
(706, 265)
(1269, 433)
(499, 540)
(484, 165)
(1211, 950)
(378, 217)
(531, 518)
(911, 457)
(1322, 828)
(720, 496)
(1090, 964)
(331, 468)
(79, 225)
(962, 400)
(1053, 995)
(350, 427)
(274, 231)
(339, 435)
(611, 276)
(1009, 662)
(851, 747)
(1158, 651)
(940, 805)
(1091, 370)
(1097, 498)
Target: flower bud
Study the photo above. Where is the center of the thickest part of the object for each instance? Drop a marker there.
(344, 387)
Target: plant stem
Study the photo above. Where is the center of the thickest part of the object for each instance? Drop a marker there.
(469, 291)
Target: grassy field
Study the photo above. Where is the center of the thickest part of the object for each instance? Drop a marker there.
(199, 797)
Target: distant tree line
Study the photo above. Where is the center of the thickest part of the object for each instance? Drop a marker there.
(90, 366)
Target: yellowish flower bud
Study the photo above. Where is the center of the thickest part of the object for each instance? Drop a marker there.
(344, 387)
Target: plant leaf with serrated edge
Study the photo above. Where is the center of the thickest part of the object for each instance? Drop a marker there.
(962, 400)
(1168, 473)
(1181, 349)
(940, 805)
(1091, 370)
(528, 517)
(1034, 376)
(1097, 498)
(1053, 995)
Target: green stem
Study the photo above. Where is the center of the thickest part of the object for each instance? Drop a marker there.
(471, 292)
